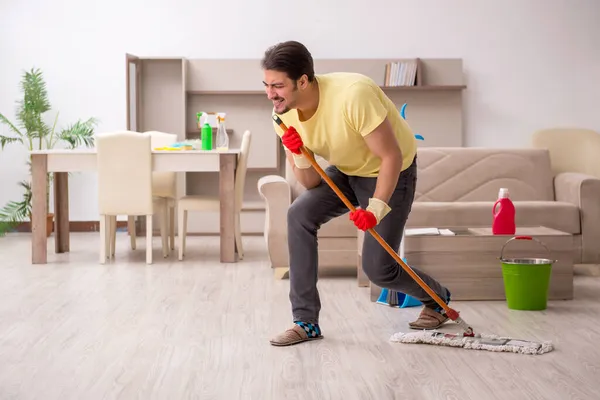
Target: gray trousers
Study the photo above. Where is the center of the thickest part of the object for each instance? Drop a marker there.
(316, 206)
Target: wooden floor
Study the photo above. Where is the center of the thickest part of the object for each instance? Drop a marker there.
(75, 329)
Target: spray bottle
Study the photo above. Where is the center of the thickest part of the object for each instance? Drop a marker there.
(222, 138)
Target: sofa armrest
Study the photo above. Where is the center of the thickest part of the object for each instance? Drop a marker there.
(583, 191)
(276, 192)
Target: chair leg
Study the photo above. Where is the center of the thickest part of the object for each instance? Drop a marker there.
(149, 239)
(131, 229)
(172, 226)
(185, 217)
(102, 239)
(107, 236)
(113, 235)
(164, 225)
(238, 237)
(182, 228)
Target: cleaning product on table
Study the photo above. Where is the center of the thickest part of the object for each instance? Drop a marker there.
(504, 214)
(206, 133)
(222, 138)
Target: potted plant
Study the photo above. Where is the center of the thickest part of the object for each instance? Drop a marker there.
(31, 131)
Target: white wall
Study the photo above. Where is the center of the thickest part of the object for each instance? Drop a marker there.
(521, 76)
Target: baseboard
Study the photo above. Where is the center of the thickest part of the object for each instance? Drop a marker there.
(74, 226)
(94, 226)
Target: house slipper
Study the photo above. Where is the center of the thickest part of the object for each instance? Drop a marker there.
(429, 319)
(291, 336)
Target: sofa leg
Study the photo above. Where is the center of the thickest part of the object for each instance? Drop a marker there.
(363, 280)
(281, 273)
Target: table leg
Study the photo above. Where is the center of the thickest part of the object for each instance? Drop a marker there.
(61, 214)
(39, 209)
(227, 213)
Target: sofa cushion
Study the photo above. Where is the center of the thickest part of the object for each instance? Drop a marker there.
(552, 214)
(476, 174)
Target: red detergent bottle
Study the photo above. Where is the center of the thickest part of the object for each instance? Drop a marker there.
(504, 215)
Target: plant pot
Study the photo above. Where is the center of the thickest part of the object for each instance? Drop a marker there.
(49, 224)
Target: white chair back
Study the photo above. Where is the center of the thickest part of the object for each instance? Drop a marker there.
(242, 167)
(164, 184)
(124, 166)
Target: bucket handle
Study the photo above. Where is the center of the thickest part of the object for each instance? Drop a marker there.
(522, 238)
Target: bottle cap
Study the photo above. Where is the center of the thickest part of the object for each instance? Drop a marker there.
(503, 194)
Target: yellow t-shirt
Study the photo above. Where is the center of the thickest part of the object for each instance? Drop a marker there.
(350, 107)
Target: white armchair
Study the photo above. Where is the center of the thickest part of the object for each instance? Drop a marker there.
(337, 238)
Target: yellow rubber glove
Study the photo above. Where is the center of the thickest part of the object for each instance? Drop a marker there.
(301, 161)
(379, 208)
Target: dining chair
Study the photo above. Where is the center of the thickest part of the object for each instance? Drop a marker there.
(208, 203)
(123, 190)
(164, 191)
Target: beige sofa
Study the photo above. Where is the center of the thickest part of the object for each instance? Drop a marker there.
(457, 187)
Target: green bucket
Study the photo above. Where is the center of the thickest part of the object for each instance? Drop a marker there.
(526, 280)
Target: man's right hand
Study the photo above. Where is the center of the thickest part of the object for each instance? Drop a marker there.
(292, 140)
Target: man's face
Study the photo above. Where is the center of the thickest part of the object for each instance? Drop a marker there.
(281, 90)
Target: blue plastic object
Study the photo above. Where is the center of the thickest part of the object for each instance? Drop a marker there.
(392, 298)
(403, 115)
(403, 111)
(396, 299)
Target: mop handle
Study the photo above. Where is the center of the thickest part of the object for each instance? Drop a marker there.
(450, 312)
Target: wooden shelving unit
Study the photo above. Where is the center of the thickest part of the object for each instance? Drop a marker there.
(165, 93)
(438, 88)
(386, 88)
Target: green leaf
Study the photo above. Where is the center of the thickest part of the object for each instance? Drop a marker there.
(51, 139)
(4, 140)
(34, 104)
(12, 127)
(15, 212)
(82, 132)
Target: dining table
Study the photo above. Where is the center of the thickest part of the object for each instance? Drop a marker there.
(62, 162)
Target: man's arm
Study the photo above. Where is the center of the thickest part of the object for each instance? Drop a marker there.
(382, 142)
(303, 170)
(367, 114)
(308, 177)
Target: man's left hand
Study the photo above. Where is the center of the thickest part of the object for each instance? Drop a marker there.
(363, 219)
(367, 219)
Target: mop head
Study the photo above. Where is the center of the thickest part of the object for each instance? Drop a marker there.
(478, 342)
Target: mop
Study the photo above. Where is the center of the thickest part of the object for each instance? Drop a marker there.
(468, 339)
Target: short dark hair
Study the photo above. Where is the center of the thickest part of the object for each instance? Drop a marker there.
(290, 57)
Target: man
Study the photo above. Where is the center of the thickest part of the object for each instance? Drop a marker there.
(348, 120)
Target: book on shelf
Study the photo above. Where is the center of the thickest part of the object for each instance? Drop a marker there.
(401, 73)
